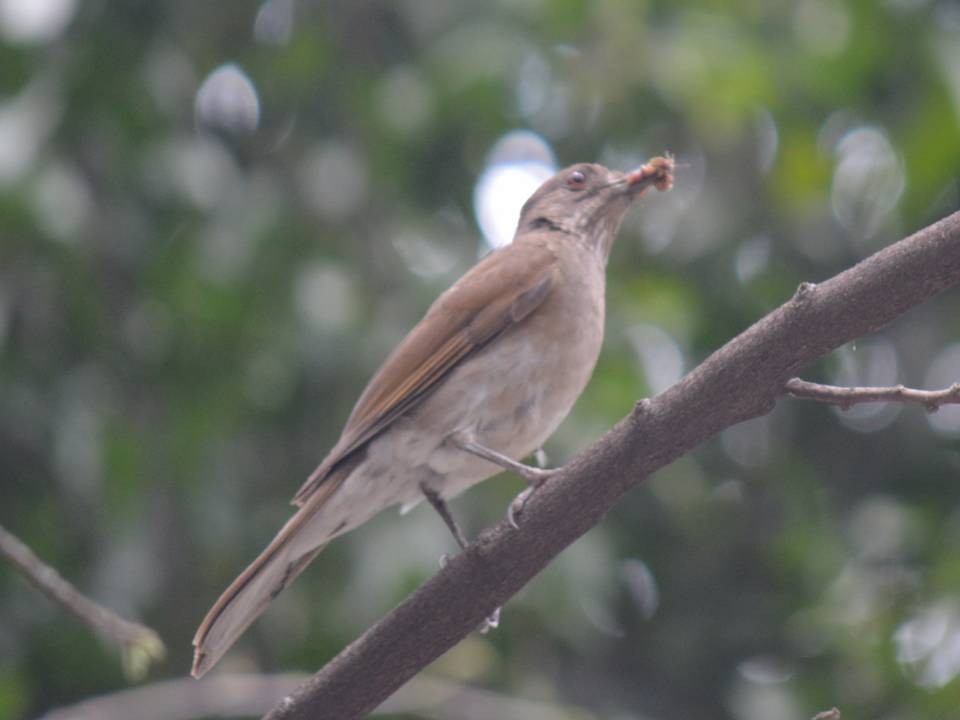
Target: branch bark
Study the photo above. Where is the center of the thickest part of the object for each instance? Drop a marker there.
(741, 380)
(140, 645)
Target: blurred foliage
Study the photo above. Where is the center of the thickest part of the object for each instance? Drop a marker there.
(217, 218)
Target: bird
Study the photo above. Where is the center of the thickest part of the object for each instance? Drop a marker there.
(494, 366)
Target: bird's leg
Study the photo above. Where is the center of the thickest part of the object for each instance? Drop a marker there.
(534, 476)
(443, 510)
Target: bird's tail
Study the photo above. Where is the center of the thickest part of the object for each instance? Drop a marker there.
(240, 604)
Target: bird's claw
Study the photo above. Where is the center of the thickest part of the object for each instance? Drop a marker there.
(517, 505)
(536, 477)
(490, 622)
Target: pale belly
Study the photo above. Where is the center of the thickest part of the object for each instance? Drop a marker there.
(512, 410)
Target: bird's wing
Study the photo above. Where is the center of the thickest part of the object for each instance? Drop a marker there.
(500, 291)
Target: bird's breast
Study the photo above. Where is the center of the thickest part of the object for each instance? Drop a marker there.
(514, 392)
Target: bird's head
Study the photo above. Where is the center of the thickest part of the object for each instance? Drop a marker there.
(588, 201)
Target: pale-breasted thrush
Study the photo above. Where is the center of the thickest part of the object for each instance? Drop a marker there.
(482, 381)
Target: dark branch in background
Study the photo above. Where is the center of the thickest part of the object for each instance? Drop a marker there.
(831, 714)
(742, 380)
(140, 645)
(234, 696)
(222, 695)
(847, 397)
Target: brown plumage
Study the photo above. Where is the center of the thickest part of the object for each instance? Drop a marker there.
(501, 357)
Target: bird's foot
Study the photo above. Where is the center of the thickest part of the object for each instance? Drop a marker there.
(535, 476)
(520, 501)
(516, 507)
(491, 622)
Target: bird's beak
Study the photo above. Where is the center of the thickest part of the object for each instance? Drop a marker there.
(634, 177)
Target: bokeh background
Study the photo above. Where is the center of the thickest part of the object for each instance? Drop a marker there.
(217, 218)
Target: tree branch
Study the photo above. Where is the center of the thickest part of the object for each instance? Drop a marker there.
(140, 645)
(741, 380)
(847, 397)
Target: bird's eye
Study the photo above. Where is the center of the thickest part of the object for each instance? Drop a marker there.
(576, 179)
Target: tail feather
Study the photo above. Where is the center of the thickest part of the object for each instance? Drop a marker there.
(248, 596)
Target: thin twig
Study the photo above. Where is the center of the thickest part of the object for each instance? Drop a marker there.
(740, 381)
(140, 645)
(847, 397)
